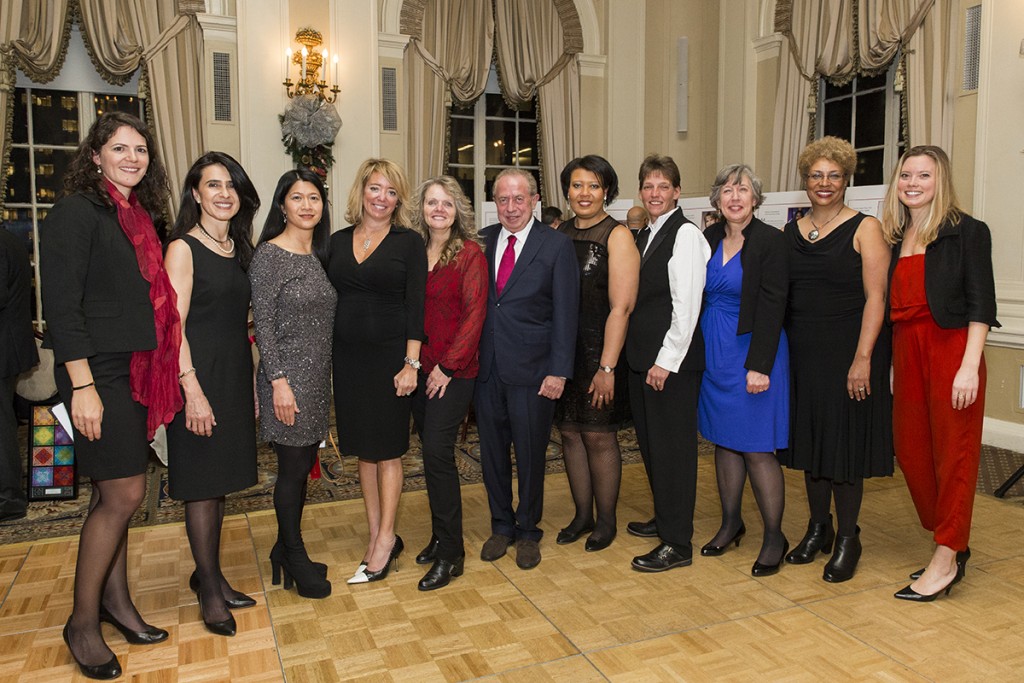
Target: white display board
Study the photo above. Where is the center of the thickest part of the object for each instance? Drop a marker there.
(781, 207)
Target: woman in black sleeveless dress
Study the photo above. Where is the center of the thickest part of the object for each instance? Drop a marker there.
(595, 401)
(212, 443)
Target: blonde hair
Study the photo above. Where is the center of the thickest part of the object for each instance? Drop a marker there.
(464, 227)
(837, 150)
(944, 206)
(395, 175)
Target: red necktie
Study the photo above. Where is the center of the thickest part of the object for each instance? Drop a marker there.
(508, 262)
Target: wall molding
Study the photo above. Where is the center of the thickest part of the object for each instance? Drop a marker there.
(391, 45)
(769, 47)
(595, 66)
(1002, 434)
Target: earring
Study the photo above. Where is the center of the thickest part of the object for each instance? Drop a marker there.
(99, 169)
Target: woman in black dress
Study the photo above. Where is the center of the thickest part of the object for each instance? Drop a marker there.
(114, 331)
(293, 310)
(595, 402)
(379, 268)
(841, 411)
(212, 443)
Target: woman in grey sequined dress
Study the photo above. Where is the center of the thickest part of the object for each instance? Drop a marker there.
(293, 308)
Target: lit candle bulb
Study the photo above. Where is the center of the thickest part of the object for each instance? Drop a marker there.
(287, 62)
(305, 53)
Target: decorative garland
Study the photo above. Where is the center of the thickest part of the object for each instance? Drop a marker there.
(309, 126)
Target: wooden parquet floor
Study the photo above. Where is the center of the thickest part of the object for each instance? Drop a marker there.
(578, 617)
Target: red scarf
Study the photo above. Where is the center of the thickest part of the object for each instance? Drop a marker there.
(154, 374)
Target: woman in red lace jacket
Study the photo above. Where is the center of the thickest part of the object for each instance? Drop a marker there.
(456, 304)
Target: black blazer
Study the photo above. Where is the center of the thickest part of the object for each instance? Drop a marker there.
(95, 300)
(958, 279)
(17, 345)
(764, 290)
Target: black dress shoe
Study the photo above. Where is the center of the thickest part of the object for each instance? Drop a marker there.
(103, 672)
(660, 559)
(710, 550)
(570, 535)
(428, 554)
(648, 529)
(220, 628)
(441, 573)
(595, 542)
(240, 601)
(151, 635)
(819, 538)
(961, 558)
(844, 560)
(768, 569)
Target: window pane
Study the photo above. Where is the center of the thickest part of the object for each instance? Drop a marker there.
(20, 133)
(839, 118)
(869, 168)
(461, 141)
(870, 119)
(128, 104)
(837, 90)
(18, 181)
(55, 117)
(465, 178)
(526, 155)
(528, 110)
(51, 165)
(501, 141)
(495, 106)
(866, 83)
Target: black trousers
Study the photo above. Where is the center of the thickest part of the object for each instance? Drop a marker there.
(666, 431)
(437, 422)
(12, 491)
(506, 415)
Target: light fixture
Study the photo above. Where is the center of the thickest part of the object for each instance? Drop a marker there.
(310, 62)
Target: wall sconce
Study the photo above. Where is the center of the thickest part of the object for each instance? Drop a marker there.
(310, 62)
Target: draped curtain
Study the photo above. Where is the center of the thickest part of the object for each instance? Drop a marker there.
(841, 39)
(163, 38)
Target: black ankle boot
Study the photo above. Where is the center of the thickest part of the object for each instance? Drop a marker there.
(819, 537)
(844, 560)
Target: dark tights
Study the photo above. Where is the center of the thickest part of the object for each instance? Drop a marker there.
(101, 573)
(731, 469)
(594, 466)
(203, 521)
(848, 497)
(293, 466)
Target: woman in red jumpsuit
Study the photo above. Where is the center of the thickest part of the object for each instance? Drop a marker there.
(942, 304)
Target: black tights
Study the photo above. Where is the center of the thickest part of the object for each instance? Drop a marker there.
(101, 572)
(293, 466)
(203, 521)
(848, 497)
(593, 464)
(731, 469)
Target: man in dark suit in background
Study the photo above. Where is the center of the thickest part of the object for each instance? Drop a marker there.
(526, 354)
(665, 353)
(17, 355)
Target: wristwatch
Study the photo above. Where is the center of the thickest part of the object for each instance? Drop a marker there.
(606, 368)
(414, 363)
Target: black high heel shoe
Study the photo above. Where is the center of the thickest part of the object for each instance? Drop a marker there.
(227, 627)
(300, 571)
(768, 569)
(150, 636)
(710, 550)
(103, 672)
(426, 556)
(441, 573)
(961, 559)
(240, 601)
(278, 551)
(367, 576)
(819, 538)
(909, 593)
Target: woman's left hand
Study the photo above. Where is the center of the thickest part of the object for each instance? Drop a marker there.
(858, 379)
(437, 382)
(199, 417)
(405, 380)
(602, 389)
(757, 382)
(965, 388)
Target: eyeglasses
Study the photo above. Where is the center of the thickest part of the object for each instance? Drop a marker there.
(817, 177)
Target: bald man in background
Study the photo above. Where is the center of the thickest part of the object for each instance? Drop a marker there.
(636, 219)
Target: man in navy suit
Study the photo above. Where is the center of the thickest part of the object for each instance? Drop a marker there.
(526, 354)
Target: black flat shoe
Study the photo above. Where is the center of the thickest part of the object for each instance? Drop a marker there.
(220, 628)
(150, 636)
(441, 574)
(569, 535)
(819, 538)
(843, 563)
(662, 558)
(596, 543)
(710, 550)
(768, 569)
(240, 601)
(648, 529)
(961, 559)
(103, 672)
(909, 593)
(427, 555)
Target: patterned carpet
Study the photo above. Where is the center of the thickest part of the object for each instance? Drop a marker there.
(339, 481)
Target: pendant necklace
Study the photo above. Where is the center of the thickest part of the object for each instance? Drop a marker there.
(218, 242)
(813, 234)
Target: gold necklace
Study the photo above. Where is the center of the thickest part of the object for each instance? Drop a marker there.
(815, 233)
(218, 242)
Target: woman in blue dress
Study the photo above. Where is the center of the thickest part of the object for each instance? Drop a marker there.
(744, 396)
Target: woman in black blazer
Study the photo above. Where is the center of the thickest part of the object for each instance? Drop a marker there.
(114, 331)
(942, 303)
(744, 396)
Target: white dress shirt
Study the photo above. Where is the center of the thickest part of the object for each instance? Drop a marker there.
(503, 235)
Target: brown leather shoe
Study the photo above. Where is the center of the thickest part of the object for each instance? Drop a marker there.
(495, 547)
(527, 553)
